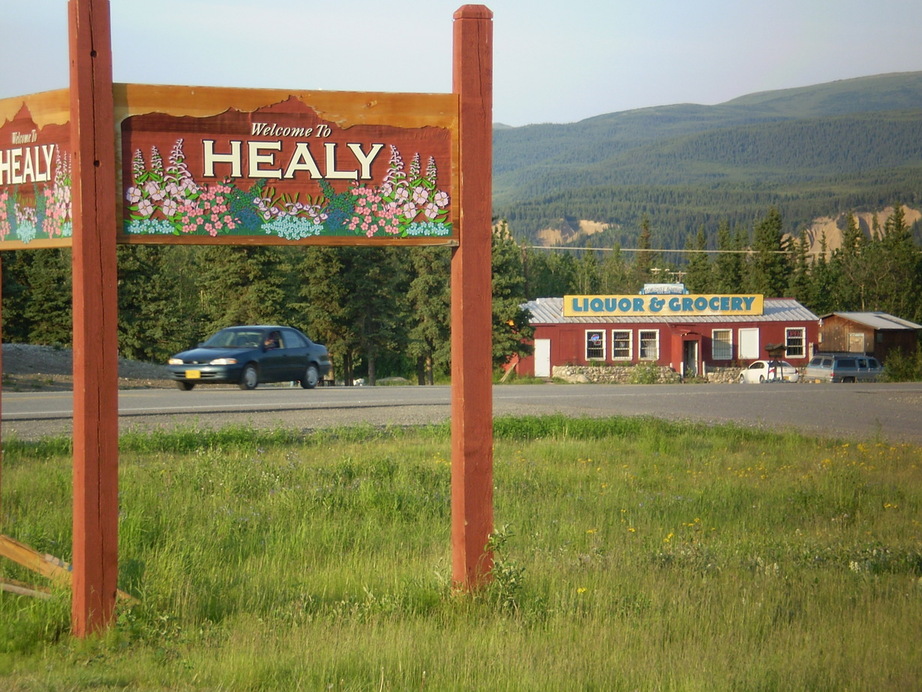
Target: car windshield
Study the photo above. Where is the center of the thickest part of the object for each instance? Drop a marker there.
(234, 338)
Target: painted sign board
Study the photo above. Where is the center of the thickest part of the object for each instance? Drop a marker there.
(207, 165)
(265, 166)
(35, 163)
(652, 305)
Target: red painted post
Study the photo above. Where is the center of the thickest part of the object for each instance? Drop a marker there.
(95, 540)
(471, 304)
(1, 386)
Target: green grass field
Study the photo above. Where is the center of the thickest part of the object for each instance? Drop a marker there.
(632, 554)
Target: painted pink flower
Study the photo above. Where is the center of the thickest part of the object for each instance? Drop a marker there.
(145, 207)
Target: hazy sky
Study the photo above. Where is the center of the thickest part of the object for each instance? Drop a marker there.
(553, 62)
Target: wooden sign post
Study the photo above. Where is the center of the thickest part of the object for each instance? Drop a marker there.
(339, 150)
(471, 304)
(95, 526)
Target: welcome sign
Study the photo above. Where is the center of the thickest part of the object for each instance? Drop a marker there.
(35, 179)
(242, 166)
(285, 172)
(647, 305)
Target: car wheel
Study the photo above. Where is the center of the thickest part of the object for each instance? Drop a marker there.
(185, 386)
(742, 378)
(311, 377)
(250, 378)
(761, 379)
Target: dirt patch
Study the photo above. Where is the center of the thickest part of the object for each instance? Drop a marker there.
(29, 368)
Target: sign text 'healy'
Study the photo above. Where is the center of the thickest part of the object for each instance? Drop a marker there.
(268, 159)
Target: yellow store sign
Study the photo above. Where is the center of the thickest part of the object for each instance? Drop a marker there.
(685, 305)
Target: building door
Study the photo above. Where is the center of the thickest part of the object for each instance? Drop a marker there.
(856, 342)
(542, 357)
(749, 344)
(690, 358)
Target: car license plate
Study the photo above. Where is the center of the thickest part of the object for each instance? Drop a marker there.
(193, 375)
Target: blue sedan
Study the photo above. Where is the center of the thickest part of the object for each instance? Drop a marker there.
(248, 356)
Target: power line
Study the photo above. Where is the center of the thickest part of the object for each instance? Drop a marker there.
(637, 249)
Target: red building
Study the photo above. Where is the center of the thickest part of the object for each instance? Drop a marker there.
(687, 333)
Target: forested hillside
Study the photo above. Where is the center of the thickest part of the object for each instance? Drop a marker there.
(852, 145)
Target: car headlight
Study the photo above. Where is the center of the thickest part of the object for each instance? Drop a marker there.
(223, 361)
(175, 361)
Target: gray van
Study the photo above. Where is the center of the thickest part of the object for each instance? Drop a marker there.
(842, 367)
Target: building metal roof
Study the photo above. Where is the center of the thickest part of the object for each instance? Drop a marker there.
(876, 320)
(550, 311)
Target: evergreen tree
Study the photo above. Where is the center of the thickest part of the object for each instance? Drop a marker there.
(511, 326)
(728, 267)
(323, 299)
(240, 285)
(615, 275)
(895, 259)
(158, 310)
(698, 272)
(15, 267)
(588, 277)
(355, 302)
(47, 313)
(800, 285)
(376, 283)
(644, 259)
(549, 273)
(429, 296)
(769, 266)
(823, 281)
(849, 267)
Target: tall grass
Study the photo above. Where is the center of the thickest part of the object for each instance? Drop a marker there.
(631, 554)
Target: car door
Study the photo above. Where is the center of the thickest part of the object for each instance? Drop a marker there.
(273, 357)
(294, 361)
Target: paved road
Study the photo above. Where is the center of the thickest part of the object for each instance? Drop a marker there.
(891, 412)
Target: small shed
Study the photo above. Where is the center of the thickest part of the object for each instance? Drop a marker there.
(641, 329)
(872, 333)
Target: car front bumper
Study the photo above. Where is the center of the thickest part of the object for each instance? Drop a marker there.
(206, 374)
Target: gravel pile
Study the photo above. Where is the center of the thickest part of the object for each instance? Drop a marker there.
(29, 360)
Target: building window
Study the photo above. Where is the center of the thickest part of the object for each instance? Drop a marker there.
(595, 345)
(649, 344)
(721, 344)
(621, 344)
(794, 342)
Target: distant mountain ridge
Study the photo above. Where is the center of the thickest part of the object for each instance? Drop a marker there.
(849, 145)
